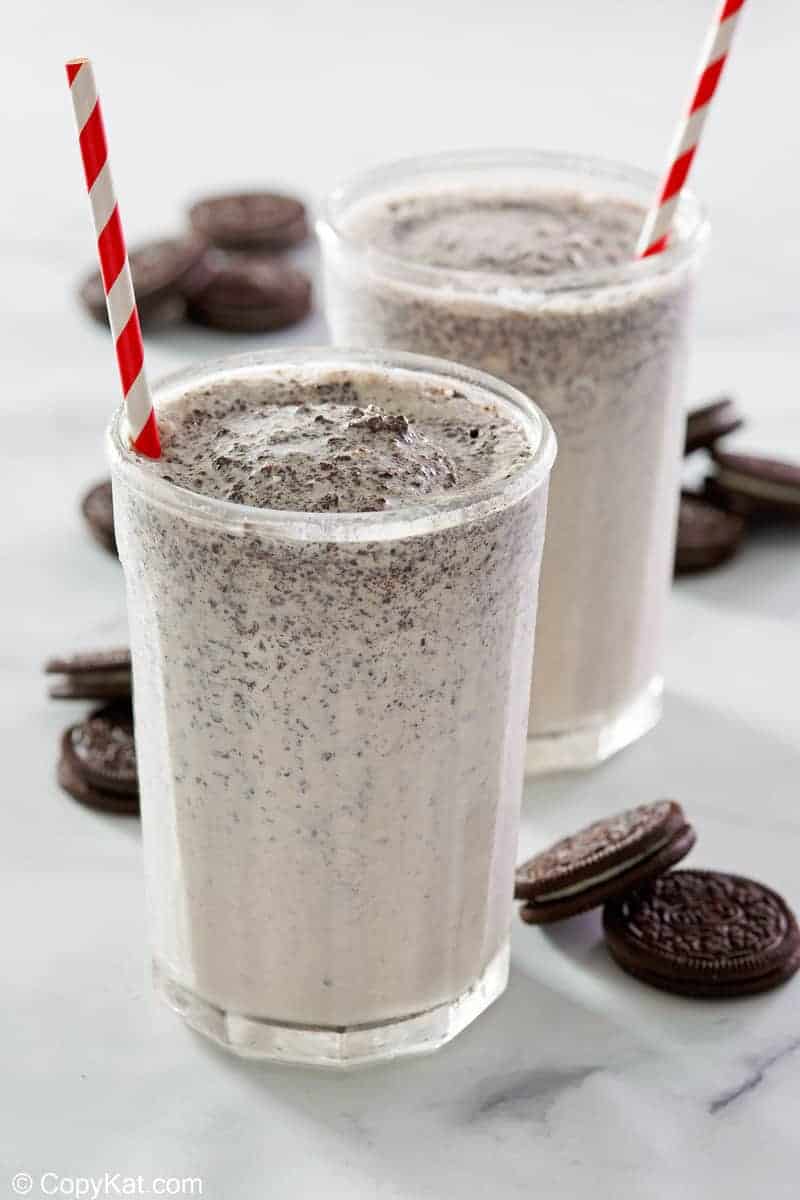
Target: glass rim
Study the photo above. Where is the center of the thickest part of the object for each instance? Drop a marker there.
(435, 513)
(389, 175)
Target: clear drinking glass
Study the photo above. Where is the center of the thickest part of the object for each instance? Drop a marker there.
(330, 727)
(603, 352)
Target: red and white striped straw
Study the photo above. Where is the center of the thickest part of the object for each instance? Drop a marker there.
(122, 313)
(656, 229)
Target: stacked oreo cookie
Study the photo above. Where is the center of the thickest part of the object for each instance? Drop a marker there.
(97, 760)
(742, 492)
(230, 272)
(97, 507)
(694, 932)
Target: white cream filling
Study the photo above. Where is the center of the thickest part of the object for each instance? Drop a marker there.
(611, 873)
(759, 489)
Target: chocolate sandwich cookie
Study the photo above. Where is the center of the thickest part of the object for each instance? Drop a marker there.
(250, 221)
(98, 760)
(753, 486)
(702, 933)
(708, 423)
(707, 535)
(605, 859)
(157, 270)
(92, 675)
(97, 507)
(246, 294)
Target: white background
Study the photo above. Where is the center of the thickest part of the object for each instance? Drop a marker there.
(578, 1081)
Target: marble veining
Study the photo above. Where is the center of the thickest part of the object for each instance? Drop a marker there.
(757, 1073)
(525, 1094)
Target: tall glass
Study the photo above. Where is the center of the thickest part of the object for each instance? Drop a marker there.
(603, 352)
(330, 725)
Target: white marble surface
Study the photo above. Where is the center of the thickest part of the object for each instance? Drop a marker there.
(579, 1081)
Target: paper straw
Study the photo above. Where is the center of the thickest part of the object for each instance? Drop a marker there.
(656, 229)
(122, 313)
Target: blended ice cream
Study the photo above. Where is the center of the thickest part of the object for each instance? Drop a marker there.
(330, 723)
(341, 448)
(606, 364)
(526, 234)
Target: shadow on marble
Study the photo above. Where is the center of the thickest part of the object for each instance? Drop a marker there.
(763, 580)
(433, 1126)
(715, 763)
(668, 1024)
(500, 1061)
(712, 761)
(197, 343)
(176, 347)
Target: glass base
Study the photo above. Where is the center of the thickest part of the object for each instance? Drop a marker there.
(589, 745)
(319, 1046)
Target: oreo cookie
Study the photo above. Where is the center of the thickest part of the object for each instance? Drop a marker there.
(605, 859)
(92, 675)
(97, 507)
(710, 422)
(269, 221)
(704, 934)
(98, 760)
(247, 294)
(157, 269)
(753, 486)
(707, 535)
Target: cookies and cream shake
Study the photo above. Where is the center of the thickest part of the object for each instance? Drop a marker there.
(524, 264)
(332, 575)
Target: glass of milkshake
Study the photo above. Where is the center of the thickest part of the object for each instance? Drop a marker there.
(332, 575)
(523, 264)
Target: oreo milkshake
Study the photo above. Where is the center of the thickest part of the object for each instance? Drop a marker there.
(524, 265)
(332, 576)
